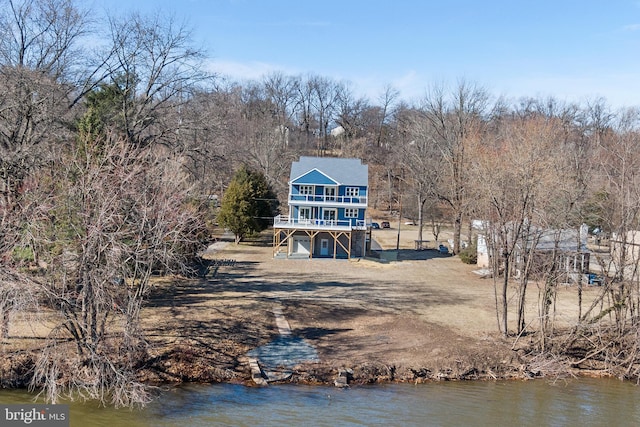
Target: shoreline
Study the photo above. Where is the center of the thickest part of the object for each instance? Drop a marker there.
(318, 374)
(425, 318)
(15, 369)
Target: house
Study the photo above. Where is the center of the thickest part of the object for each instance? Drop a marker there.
(564, 250)
(327, 209)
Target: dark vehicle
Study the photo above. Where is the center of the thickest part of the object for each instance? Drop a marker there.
(595, 280)
(375, 225)
(385, 224)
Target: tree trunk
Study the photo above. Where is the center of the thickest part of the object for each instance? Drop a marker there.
(580, 297)
(505, 285)
(521, 303)
(389, 189)
(4, 322)
(435, 229)
(457, 230)
(421, 201)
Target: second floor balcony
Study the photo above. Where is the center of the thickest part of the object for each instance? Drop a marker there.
(316, 199)
(282, 221)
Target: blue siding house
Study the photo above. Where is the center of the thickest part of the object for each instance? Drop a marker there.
(327, 210)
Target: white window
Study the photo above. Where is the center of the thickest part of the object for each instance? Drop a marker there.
(352, 191)
(306, 190)
(304, 214)
(351, 213)
(329, 215)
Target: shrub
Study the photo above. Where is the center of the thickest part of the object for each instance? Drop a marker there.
(22, 254)
(469, 255)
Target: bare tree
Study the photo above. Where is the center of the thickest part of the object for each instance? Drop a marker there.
(157, 69)
(38, 52)
(456, 119)
(38, 55)
(102, 248)
(421, 158)
(351, 113)
(619, 162)
(387, 99)
(262, 139)
(511, 175)
(281, 90)
(317, 101)
(41, 35)
(18, 294)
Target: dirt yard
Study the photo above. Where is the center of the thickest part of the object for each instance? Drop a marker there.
(425, 316)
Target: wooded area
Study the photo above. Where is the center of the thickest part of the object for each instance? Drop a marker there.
(114, 138)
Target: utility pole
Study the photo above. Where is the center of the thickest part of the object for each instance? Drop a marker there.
(399, 214)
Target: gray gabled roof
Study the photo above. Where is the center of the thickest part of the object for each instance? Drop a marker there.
(566, 240)
(343, 171)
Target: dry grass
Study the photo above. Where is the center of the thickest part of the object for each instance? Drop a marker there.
(424, 312)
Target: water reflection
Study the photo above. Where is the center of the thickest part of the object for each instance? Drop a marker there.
(585, 402)
(533, 403)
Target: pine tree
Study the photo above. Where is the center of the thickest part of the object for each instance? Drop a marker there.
(248, 204)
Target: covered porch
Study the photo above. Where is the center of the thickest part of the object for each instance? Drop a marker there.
(314, 243)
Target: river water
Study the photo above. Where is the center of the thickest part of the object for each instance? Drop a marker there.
(583, 402)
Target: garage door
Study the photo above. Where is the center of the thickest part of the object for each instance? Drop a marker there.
(302, 245)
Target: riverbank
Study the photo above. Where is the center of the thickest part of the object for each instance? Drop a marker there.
(424, 317)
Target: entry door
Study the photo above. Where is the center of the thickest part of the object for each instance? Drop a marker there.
(329, 194)
(304, 215)
(329, 216)
(324, 247)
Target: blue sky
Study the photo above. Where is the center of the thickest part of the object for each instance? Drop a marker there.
(573, 50)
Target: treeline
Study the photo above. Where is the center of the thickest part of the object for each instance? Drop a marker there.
(113, 139)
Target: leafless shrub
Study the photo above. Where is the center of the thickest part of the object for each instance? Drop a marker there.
(18, 294)
(119, 213)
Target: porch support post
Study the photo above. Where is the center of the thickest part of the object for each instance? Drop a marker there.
(312, 237)
(274, 243)
(279, 242)
(336, 241)
(335, 244)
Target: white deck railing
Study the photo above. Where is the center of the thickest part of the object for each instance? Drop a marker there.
(352, 200)
(282, 221)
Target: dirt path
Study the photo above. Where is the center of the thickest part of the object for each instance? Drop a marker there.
(425, 316)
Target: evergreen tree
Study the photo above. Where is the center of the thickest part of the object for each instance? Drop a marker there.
(105, 108)
(248, 204)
